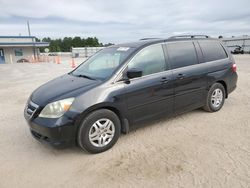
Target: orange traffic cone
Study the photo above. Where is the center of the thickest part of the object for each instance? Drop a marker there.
(73, 63)
(29, 59)
(58, 60)
(33, 59)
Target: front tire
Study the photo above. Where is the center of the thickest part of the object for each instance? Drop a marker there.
(99, 131)
(215, 98)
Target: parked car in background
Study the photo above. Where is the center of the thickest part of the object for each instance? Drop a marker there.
(238, 50)
(127, 84)
(52, 54)
(23, 60)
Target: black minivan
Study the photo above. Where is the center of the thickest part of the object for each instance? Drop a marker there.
(124, 85)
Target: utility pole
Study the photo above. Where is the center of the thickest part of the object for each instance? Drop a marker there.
(28, 24)
(33, 41)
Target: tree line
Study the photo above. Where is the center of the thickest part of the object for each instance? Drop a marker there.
(65, 44)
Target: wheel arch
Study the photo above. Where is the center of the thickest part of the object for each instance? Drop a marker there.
(124, 121)
(222, 82)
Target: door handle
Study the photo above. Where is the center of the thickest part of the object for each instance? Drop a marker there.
(180, 76)
(164, 80)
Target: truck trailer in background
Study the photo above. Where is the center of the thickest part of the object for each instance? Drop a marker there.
(85, 51)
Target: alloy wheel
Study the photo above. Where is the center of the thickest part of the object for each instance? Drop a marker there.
(101, 132)
(217, 97)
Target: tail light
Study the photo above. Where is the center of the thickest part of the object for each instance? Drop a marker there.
(234, 67)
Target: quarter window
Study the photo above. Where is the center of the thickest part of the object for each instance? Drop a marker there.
(181, 54)
(212, 50)
(150, 60)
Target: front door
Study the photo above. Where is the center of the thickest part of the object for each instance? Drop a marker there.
(152, 94)
(2, 56)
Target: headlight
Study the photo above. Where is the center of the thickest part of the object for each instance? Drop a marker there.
(56, 109)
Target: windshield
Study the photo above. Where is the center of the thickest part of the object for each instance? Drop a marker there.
(103, 64)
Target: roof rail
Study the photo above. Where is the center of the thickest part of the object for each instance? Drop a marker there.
(189, 36)
(149, 38)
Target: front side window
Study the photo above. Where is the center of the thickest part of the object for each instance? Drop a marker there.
(150, 60)
(103, 63)
(181, 54)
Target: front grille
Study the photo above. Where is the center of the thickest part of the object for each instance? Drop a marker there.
(31, 109)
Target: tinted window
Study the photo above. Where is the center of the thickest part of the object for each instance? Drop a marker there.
(181, 54)
(212, 50)
(150, 60)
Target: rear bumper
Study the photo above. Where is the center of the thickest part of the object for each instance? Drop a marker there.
(230, 90)
(232, 84)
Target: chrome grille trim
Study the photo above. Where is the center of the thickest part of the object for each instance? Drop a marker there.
(30, 109)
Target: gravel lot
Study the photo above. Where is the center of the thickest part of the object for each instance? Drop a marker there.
(196, 149)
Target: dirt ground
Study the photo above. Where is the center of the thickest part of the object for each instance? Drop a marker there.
(196, 149)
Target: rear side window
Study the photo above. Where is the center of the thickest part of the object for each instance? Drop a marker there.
(212, 50)
(181, 54)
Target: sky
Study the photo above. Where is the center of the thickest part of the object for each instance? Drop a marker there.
(118, 21)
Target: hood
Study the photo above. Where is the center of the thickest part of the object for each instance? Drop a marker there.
(60, 88)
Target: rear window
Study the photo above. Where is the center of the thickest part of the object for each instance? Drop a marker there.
(181, 54)
(212, 50)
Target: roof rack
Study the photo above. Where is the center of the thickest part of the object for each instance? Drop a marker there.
(189, 36)
(149, 38)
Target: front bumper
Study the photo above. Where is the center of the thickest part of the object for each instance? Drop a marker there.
(60, 136)
(58, 132)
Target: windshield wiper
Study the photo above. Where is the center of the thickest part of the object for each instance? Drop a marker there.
(84, 76)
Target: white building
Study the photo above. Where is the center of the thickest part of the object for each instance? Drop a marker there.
(14, 48)
(85, 51)
(234, 42)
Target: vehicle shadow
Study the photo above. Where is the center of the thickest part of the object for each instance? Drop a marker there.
(164, 120)
(136, 129)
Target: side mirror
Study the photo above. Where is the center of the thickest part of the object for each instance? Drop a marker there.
(134, 73)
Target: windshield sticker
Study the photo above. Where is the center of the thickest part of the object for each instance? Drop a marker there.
(124, 49)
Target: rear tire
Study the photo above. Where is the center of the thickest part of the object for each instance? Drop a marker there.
(215, 98)
(99, 131)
